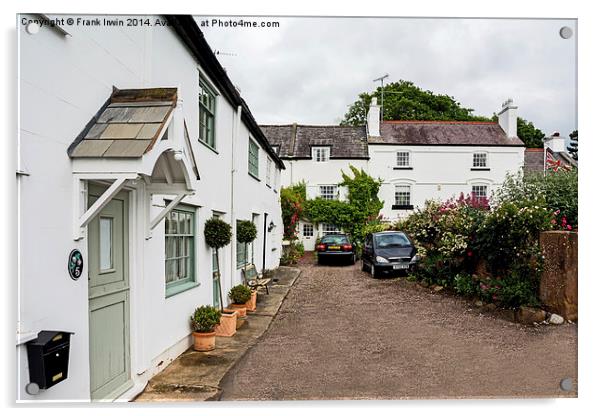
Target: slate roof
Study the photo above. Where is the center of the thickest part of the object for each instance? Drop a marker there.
(534, 159)
(294, 141)
(450, 133)
(127, 125)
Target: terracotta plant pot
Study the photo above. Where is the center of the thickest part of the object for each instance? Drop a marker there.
(227, 324)
(241, 308)
(251, 304)
(204, 341)
(240, 320)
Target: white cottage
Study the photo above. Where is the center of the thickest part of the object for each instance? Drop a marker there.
(416, 160)
(130, 138)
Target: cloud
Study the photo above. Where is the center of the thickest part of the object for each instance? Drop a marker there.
(309, 70)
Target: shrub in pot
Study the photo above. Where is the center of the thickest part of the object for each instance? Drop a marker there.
(246, 232)
(240, 295)
(203, 322)
(218, 234)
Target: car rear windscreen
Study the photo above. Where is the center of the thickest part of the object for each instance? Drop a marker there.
(392, 240)
(335, 239)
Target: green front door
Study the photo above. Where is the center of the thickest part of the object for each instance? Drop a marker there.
(108, 293)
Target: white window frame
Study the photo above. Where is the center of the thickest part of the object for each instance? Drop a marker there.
(479, 185)
(331, 196)
(407, 189)
(408, 159)
(320, 153)
(480, 160)
(333, 229)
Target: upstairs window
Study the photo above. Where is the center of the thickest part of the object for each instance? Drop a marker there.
(403, 159)
(479, 160)
(253, 159)
(320, 154)
(206, 114)
(268, 172)
(329, 192)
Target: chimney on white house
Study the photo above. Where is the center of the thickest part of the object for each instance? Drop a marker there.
(374, 119)
(555, 143)
(507, 118)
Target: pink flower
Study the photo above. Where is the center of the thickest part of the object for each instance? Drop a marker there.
(557, 212)
(554, 222)
(568, 227)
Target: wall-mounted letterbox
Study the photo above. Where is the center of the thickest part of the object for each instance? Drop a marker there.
(48, 357)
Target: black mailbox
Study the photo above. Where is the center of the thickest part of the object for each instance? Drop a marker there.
(48, 357)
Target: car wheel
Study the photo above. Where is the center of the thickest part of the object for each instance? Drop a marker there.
(373, 272)
(352, 259)
(365, 267)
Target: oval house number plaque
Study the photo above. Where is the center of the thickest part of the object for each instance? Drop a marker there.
(75, 264)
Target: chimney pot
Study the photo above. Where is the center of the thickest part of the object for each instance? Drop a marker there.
(374, 119)
(507, 118)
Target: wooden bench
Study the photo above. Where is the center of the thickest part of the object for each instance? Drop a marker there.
(253, 280)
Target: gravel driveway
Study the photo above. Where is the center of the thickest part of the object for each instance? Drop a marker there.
(343, 335)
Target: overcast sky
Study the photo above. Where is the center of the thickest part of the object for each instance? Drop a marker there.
(310, 69)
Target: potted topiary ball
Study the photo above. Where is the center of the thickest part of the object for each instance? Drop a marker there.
(240, 295)
(246, 232)
(203, 322)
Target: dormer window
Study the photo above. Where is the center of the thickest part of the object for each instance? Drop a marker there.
(479, 160)
(320, 154)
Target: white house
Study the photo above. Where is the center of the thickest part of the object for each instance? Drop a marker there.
(416, 160)
(130, 138)
(317, 155)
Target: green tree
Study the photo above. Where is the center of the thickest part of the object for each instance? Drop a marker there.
(529, 134)
(405, 101)
(573, 146)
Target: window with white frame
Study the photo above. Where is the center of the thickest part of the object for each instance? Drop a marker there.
(268, 172)
(321, 154)
(308, 230)
(329, 192)
(403, 195)
(479, 191)
(403, 159)
(329, 229)
(479, 160)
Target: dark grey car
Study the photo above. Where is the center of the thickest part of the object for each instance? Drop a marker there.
(387, 253)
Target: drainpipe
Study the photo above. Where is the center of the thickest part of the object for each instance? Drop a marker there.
(235, 133)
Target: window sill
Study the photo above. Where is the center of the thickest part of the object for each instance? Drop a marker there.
(213, 149)
(179, 288)
(402, 207)
(480, 169)
(403, 168)
(254, 177)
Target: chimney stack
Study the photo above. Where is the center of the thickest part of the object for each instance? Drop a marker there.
(374, 119)
(556, 143)
(507, 118)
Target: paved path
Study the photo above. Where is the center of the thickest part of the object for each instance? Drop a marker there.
(342, 335)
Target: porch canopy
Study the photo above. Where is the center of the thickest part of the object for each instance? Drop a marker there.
(138, 139)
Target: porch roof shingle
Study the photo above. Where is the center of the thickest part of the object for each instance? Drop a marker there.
(127, 125)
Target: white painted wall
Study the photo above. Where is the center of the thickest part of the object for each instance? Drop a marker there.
(439, 172)
(63, 81)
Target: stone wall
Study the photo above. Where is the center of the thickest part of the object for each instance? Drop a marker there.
(558, 287)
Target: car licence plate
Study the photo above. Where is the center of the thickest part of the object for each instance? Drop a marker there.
(401, 266)
(334, 247)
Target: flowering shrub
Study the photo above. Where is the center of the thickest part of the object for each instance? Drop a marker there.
(291, 205)
(489, 252)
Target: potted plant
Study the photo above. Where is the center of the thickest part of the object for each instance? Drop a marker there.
(240, 295)
(246, 232)
(251, 304)
(218, 234)
(203, 322)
